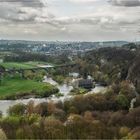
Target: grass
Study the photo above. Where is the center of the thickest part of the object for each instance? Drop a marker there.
(16, 65)
(17, 86)
(22, 65)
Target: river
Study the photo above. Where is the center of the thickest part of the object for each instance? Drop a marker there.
(64, 89)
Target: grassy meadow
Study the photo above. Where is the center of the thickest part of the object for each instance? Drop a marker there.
(22, 65)
(12, 88)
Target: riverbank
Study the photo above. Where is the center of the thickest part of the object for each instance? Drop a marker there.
(64, 89)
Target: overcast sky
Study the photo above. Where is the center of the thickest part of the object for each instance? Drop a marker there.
(72, 20)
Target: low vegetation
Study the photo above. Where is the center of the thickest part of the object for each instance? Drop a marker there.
(78, 91)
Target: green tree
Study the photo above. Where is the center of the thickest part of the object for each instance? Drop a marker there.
(122, 101)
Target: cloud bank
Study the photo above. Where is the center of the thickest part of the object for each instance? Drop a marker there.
(85, 20)
(129, 3)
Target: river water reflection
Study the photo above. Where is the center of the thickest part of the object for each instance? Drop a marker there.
(64, 88)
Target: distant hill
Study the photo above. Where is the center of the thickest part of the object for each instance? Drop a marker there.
(94, 44)
(115, 64)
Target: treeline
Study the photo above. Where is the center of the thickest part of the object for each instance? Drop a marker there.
(14, 47)
(21, 56)
(87, 118)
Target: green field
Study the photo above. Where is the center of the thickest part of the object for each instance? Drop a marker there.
(16, 86)
(22, 65)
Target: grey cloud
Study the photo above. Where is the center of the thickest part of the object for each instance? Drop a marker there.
(127, 3)
(25, 3)
(16, 15)
(23, 11)
(33, 17)
(96, 20)
(77, 20)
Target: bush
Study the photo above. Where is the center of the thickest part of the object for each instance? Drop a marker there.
(122, 101)
(17, 110)
(48, 90)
